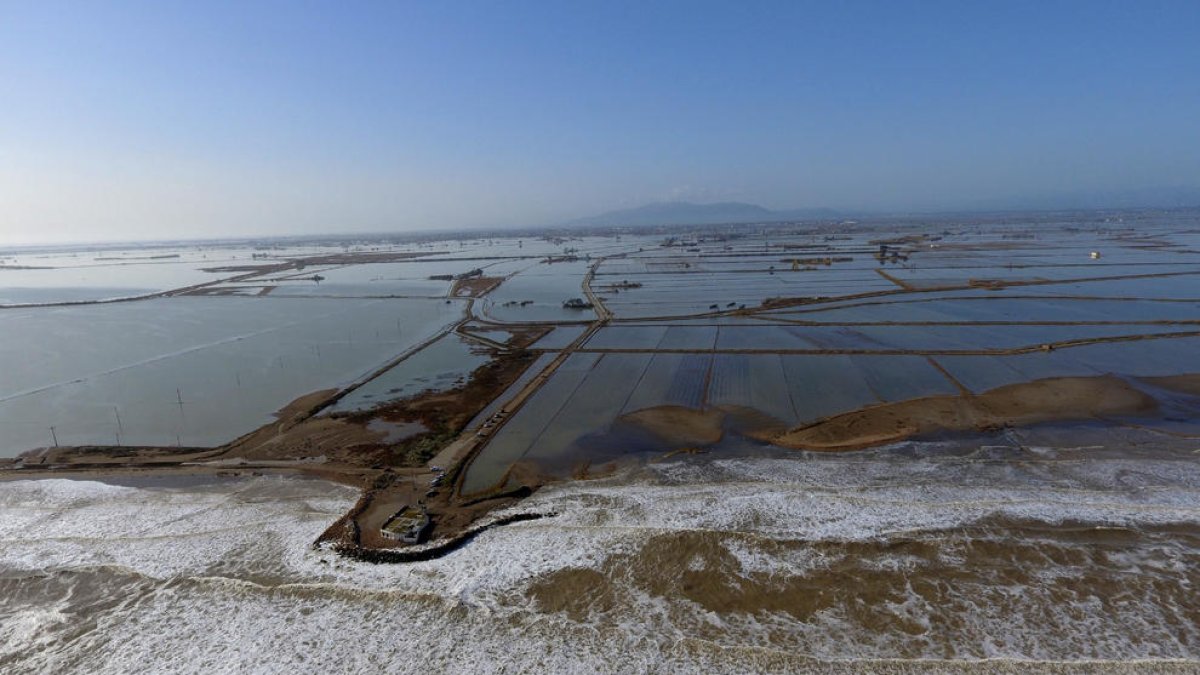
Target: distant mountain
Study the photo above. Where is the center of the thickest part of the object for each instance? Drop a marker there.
(687, 213)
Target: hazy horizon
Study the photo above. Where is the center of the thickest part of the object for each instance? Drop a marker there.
(143, 121)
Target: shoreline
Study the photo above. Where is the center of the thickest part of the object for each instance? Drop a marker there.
(458, 518)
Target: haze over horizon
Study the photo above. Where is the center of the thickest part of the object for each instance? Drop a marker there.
(168, 121)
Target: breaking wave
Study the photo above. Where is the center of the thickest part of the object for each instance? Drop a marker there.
(881, 561)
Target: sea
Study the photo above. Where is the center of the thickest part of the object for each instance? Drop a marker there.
(919, 557)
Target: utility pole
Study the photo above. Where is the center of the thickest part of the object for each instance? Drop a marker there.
(54, 436)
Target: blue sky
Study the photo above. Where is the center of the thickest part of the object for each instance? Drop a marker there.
(164, 119)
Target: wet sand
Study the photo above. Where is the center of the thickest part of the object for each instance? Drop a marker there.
(680, 425)
(1184, 384)
(1054, 399)
(339, 449)
(1062, 399)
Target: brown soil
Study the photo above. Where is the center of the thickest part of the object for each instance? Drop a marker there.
(253, 269)
(337, 439)
(388, 492)
(288, 417)
(400, 477)
(1186, 384)
(474, 287)
(115, 456)
(268, 266)
(679, 425)
(389, 474)
(895, 280)
(446, 413)
(1066, 398)
(359, 257)
(345, 438)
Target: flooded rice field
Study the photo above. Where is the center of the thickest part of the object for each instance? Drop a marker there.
(191, 371)
(442, 365)
(803, 329)
(955, 447)
(195, 345)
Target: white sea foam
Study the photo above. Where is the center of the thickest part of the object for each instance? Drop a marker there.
(223, 578)
(29, 629)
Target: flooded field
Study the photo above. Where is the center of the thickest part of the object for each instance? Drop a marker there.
(954, 447)
(204, 343)
(446, 363)
(192, 371)
(797, 326)
(796, 329)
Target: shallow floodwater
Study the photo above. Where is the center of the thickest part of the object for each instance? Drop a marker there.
(442, 365)
(992, 560)
(1069, 547)
(192, 371)
(98, 281)
(543, 287)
